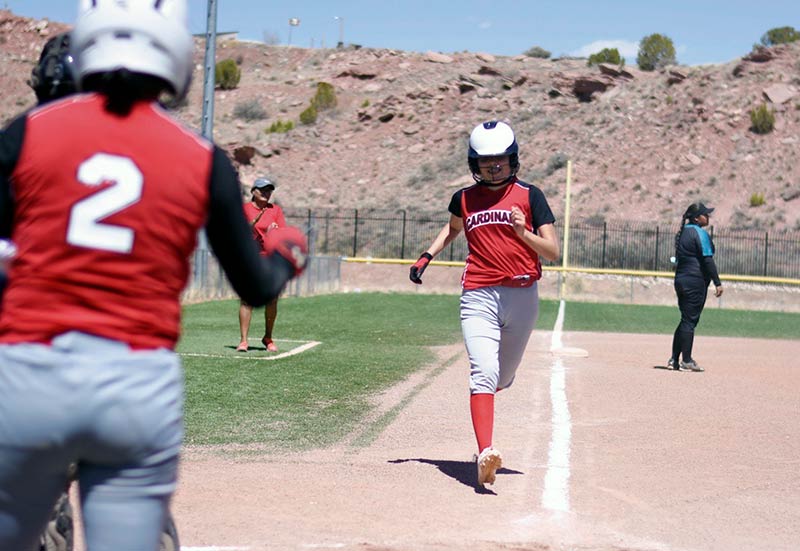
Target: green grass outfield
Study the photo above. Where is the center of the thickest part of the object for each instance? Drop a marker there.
(367, 342)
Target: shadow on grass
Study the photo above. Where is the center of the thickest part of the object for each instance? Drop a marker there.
(250, 348)
(462, 471)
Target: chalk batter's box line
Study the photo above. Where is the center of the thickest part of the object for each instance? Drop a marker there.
(249, 356)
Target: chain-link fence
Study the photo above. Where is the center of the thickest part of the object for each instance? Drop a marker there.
(384, 233)
(208, 281)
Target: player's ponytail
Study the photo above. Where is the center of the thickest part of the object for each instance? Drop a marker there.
(123, 88)
(680, 232)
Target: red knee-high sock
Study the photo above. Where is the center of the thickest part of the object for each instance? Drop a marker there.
(481, 406)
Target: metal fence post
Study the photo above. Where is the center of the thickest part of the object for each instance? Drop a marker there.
(327, 228)
(655, 257)
(403, 237)
(605, 238)
(766, 251)
(355, 233)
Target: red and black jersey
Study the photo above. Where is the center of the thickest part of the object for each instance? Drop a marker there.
(272, 214)
(497, 256)
(105, 211)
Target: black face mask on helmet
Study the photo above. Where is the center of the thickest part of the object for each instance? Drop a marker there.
(52, 77)
(492, 139)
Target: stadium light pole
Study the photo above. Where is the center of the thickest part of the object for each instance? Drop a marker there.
(293, 22)
(341, 30)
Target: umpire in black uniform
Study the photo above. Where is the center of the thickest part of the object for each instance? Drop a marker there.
(694, 255)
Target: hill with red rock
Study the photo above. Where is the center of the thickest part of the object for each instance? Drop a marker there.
(643, 145)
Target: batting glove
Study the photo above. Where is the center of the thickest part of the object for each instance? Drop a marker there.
(418, 268)
(291, 244)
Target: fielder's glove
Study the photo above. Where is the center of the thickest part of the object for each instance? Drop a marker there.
(291, 244)
(418, 268)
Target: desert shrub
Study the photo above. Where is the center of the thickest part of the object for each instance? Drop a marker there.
(365, 104)
(280, 127)
(556, 162)
(762, 119)
(606, 55)
(309, 115)
(325, 98)
(757, 199)
(227, 74)
(538, 51)
(780, 35)
(250, 111)
(656, 51)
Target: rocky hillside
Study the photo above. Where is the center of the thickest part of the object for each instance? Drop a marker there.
(643, 145)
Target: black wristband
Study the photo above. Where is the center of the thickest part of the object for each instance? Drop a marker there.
(427, 255)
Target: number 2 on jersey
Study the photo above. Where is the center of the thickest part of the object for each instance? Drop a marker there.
(85, 226)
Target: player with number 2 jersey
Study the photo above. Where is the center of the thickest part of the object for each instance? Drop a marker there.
(104, 194)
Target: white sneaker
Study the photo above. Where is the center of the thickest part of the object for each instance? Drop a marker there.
(691, 365)
(488, 462)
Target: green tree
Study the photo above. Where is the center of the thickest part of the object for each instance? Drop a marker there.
(227, 74)
(780, 35)
(606, 55)
(656, 51)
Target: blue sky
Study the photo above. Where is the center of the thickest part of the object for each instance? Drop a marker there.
(703, 31)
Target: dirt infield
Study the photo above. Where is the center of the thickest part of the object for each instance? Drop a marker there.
(653, 460)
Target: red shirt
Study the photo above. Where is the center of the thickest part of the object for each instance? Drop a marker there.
(272, 214)
(107, 211)
(497, 255)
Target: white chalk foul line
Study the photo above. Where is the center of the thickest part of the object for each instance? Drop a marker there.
(247, 356)
(213, 548)
(555, 495)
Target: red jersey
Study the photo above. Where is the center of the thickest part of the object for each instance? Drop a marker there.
(497, 255)
(272, 214)
(106, 215)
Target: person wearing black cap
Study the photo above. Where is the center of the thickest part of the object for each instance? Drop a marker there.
(695, 269)
(263, 216)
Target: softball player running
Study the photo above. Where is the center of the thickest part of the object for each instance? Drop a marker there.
(103, 194)
(508, 225)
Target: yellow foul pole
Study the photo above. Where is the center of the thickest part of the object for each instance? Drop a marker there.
(565, 249)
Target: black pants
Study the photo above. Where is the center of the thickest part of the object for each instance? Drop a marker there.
(692, 293)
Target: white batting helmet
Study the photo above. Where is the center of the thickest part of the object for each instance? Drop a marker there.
(492, 139)
(150, 37)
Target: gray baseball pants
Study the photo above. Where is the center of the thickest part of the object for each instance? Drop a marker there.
(116, 412)
(497, 323)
